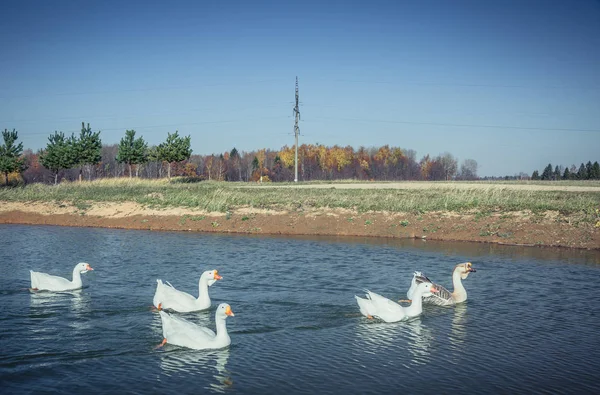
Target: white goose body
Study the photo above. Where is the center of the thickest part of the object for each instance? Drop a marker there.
(444, 297)
(181, 332)
(389, 311)
(183, 302)
(47, 282)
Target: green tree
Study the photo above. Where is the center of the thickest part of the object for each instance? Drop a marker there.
(175, 149)
(11, 154)
(154, 159)
(535, 175)
(582, 173)
(59, 154)
(566, 174)
(132, 151)
(596, 171)
(547, 174)
(573, 172)
(88, 149)
(589, 170)
(235, 168)
(556, 175)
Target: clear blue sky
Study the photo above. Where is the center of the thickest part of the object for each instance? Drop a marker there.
(514, 85)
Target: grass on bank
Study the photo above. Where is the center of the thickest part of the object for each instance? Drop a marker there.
(225, 196)
(561, 183)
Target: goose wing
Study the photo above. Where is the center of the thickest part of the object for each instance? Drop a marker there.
(421, 278)
(44, 281)
(170, 297)
(417, 279)
(182, 331)
(441, 298)
(386, 309)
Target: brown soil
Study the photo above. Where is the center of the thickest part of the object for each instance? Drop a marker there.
(522, 228)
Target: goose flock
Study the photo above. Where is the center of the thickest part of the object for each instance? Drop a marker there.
(180, 332)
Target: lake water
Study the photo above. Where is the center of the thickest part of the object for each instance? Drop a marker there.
(531, 324)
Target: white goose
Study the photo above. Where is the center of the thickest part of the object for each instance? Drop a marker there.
(47, 282)
(183, 302)
(389, 311)
(444, 297)
(181, 332)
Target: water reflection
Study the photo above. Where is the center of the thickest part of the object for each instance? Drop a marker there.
(43, 302)
(80, 302)
(420, 340)
(199, 362)
(373, 336)
(376, 337)
(475, 251)
(69, 308)
(458, 334)
(80, 307)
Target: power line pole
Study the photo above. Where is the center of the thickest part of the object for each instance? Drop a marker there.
(296, 132)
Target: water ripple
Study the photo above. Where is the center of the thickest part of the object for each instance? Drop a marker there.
(529, 325)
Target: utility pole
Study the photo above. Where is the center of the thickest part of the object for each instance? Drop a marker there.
(296, 132)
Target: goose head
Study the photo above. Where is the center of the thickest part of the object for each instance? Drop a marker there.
(426, 289)
(83, 267)
(223, 311)
(212, 275)
(464, 269)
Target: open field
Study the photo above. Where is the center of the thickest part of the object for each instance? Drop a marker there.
(568, 186)
(365, 196)
(513, 213)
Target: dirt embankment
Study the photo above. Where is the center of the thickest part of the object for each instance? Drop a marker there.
(522, 228)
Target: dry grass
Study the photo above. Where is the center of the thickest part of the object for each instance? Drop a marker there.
(412, 197)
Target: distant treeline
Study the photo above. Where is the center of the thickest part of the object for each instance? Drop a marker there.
(588, 171)
(73, 157)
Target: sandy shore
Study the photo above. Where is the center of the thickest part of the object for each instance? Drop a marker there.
(520, 228)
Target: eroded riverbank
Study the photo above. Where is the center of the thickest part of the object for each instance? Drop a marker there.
(519, 228)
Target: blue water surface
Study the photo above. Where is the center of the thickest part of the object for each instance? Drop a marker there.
(530, 324)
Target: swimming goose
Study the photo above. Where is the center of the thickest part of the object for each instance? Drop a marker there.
(183, 302)
(47, 282)
(444, 297)
(181, 332)
(378, 306)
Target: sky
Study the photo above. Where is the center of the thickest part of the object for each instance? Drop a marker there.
(514, 85)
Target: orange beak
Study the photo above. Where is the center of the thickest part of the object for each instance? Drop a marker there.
(228, 311)
(88, 267)
(434, 290)
(217, 277)
(159, 308)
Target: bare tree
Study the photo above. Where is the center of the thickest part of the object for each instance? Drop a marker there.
(468, 170)
(246, 165)
(449, 165)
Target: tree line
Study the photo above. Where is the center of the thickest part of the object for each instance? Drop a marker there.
(72, 157)
(85, 153)
(588, 171)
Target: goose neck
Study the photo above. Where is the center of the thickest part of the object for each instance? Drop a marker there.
(203, 289)
(416, 307)
(77, 278)
(221, 327)
(460, 293)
